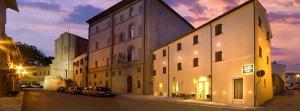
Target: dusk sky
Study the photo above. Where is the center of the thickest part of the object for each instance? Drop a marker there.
(40, 22)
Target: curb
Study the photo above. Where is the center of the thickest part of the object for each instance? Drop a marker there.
(20, 101)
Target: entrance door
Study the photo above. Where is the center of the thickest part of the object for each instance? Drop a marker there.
(129, 84)
(202, 90)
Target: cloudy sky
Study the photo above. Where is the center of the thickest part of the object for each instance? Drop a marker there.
(40, 22)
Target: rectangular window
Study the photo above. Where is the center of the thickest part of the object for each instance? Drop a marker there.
(121, 37)
(97, 29)
(179, 66)
(96, 64)
(106, 74)
(238, 88)
(164, 70)
(195, 40)
(141, 9)
(195, 62)
(218, 29)
(154, 72)
(107, 61)
(259, 22)
(268, 60)
(268, 36)
(121, 18)
(138, 84)
(95, 76)
(80, 70)
(164, 53)
(218, 56)
(154, 56)
(260, 52)
(81, 61)
(179, 48)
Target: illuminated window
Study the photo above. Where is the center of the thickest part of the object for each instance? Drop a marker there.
(218, 29)
(195, 39)
(195, 62)
(179, 48)
(238, 88)
(218, 56)
(164, 53)
(260, 52)
(179, 66)
(164, 70)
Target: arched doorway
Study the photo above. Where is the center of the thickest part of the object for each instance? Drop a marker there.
(129, 84)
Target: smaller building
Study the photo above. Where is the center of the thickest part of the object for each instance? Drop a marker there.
(80, 70)
(292, 80)
(278, 78)
(35, 74)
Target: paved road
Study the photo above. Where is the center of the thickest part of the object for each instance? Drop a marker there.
(52, 101)
(35, 100)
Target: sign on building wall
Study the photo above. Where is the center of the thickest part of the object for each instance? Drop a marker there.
(248, 69)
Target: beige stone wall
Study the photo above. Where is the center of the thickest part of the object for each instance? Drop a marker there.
(238, 46)
(264, 84)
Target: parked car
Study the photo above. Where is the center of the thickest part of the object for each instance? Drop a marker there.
(86, 91)
(101, 91)
(36, 85)
(61, 89)
(78, 90)
(70, 90)
(24, 86)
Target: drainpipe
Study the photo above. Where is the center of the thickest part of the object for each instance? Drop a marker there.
(168, 71)
(112, 50)
(211, 61)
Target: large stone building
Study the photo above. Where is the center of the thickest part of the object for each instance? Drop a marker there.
(121, 41)
(9, 53)
(67, 47)
(80, 70)
(226, 60)
(278, 77)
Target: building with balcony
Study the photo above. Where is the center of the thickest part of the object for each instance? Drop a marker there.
(121, 41)
(80, 70)
(226, 60)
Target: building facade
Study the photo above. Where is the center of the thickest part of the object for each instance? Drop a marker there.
(121, 41)
(226, 60)
(67, 47)
(35, 74)
(9, 53)
(278, 77)
(80, 70)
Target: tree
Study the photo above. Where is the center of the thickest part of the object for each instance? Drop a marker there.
(32, 56)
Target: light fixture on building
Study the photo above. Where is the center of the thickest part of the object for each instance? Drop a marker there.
(250, 92)
(203, 79)
(218, 44)
(224, 92)
(179, 58)
(196, 52)
(164, 62)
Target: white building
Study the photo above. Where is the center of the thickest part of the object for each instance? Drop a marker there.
(121, 41)
(67, 47)
(226, 60)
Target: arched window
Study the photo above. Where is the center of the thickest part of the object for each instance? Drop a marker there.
(131, 12)
(131, 30)
(130, 52)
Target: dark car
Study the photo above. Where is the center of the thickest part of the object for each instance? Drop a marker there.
(78, 90)
(61, 89)
(101, 91)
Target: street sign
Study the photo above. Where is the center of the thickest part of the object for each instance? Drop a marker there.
(248, 69)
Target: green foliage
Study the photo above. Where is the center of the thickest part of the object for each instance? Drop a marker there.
(32, 56)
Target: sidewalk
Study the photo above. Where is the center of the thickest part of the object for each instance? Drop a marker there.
(12, 103)
(186, 101)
